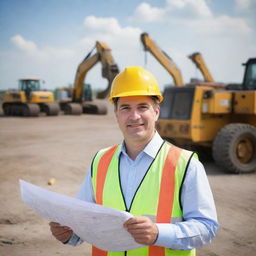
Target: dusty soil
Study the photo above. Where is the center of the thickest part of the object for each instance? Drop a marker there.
(37, 149)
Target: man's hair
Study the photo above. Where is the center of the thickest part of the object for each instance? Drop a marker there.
(154, 98)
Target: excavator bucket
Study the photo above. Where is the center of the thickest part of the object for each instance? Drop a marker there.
(109, 72)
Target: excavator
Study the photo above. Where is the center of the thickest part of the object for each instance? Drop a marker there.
(29, 100)
(110, 69)
(211, 117)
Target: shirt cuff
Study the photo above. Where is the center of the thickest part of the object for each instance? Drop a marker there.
(166, 235)
(74, 240)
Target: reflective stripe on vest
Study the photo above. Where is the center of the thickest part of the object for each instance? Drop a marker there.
(101, 176)
(164, 211)
(168, 167)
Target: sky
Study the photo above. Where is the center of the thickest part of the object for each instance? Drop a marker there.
(47, 39)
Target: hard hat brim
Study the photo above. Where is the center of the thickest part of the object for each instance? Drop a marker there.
(136, 93)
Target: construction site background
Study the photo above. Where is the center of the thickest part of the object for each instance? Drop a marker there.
(38, 149)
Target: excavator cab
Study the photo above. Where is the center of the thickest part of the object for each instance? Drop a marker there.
(87, 92)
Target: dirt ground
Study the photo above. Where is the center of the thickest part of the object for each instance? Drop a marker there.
(37, 149)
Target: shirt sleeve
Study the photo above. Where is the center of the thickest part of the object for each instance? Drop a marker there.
(86, 190)
(85, 193)
(200, 219)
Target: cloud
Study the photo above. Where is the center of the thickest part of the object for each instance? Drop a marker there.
(24, 45)
(47, 52)
(188, 8)
(110, 31)
(193, 14)
(247, 9)
(145, 13)
(221, 26)
(243, 4)
(173, 10)
(110, 25)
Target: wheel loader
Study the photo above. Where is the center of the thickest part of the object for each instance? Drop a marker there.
(29, 100)
(210, 116)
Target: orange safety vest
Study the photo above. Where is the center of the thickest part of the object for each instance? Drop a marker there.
(158, 194)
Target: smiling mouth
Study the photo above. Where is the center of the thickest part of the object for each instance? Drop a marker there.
(134, 125)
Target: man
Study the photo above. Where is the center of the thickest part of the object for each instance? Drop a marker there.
(163, 186)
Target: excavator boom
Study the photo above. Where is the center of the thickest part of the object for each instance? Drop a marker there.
(162, 58)
(197, 58)
(81, 72)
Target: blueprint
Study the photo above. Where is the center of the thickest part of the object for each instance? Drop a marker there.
(96, 224)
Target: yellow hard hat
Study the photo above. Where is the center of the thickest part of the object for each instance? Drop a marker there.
(135, 81)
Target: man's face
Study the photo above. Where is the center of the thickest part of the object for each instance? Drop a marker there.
(136, 116)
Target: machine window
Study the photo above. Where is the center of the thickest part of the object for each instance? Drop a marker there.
(250, 79)
(177, 103)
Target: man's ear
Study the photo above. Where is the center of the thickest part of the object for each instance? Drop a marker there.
(157, 110)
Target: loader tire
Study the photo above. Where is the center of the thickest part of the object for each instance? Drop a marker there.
(234, 148)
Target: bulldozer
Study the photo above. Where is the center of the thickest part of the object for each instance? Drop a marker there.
(79, 104)
(29, 100)
(208, 116)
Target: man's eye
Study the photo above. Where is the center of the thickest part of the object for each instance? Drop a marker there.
(124, 108)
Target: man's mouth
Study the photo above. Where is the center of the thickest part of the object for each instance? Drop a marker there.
(134, 125)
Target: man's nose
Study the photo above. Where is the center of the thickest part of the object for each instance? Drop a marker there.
(134, 114)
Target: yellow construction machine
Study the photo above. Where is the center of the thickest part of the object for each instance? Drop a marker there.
(208, 116)
(29, 100)
(110, 69)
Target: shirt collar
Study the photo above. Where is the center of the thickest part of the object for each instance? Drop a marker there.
(152, 147)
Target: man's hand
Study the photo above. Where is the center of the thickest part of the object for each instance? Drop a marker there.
(61, 233)
(143, 230)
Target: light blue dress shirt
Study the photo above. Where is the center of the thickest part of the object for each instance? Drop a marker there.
(200, 219)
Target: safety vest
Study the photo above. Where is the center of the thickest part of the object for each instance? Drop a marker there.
(157, 197)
